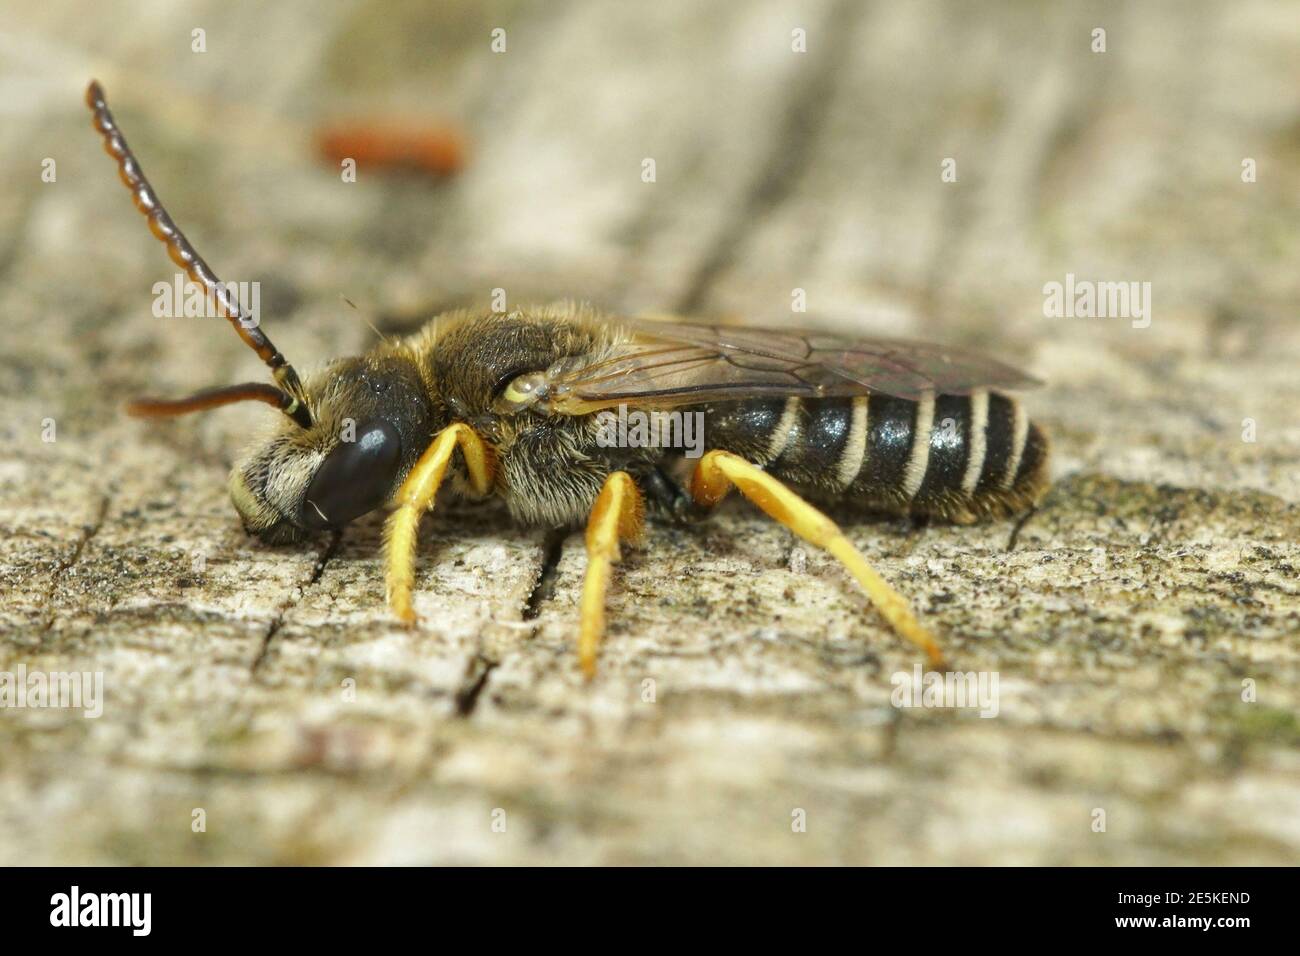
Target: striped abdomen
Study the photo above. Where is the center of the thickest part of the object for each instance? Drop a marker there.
(958, 457)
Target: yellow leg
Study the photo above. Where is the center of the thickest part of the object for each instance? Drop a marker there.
(719, 470)
(415, 497)
(617, 513)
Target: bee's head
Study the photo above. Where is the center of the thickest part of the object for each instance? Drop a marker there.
(370, 420)
(349, 434)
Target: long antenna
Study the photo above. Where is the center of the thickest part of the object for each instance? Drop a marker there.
(210, 398)
(184, 255)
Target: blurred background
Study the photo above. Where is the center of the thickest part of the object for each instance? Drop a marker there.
(918, 169)
(774, 170)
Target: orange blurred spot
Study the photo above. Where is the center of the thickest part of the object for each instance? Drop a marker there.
(437, 151)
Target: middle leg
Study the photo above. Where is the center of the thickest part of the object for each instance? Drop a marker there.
(618, 513)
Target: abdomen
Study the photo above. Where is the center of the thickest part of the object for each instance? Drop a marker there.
(956, 457)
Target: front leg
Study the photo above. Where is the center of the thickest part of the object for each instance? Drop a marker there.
(416, 496)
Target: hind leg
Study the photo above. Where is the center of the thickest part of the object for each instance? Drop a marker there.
(718, 471)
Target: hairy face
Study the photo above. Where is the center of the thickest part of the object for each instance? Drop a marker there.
(372, 418)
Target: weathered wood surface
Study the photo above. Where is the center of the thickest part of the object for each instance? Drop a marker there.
(1122, 619)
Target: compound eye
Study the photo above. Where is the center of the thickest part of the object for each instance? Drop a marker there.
(355, 478)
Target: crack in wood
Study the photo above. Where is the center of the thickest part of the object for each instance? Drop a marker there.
(87, 534)
(295, 597)
(480, 667)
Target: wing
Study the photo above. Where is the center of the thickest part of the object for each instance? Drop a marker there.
(671, 363)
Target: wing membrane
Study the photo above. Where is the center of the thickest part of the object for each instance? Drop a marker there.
(672, 363)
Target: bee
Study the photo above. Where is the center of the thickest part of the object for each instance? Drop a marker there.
(510, 405)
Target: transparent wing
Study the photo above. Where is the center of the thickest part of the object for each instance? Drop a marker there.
(677, 363)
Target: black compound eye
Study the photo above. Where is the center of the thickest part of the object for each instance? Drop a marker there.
(356, 477)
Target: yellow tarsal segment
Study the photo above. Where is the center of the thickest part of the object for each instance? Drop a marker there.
(617, 513)
(719, 470)
(415, 497)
